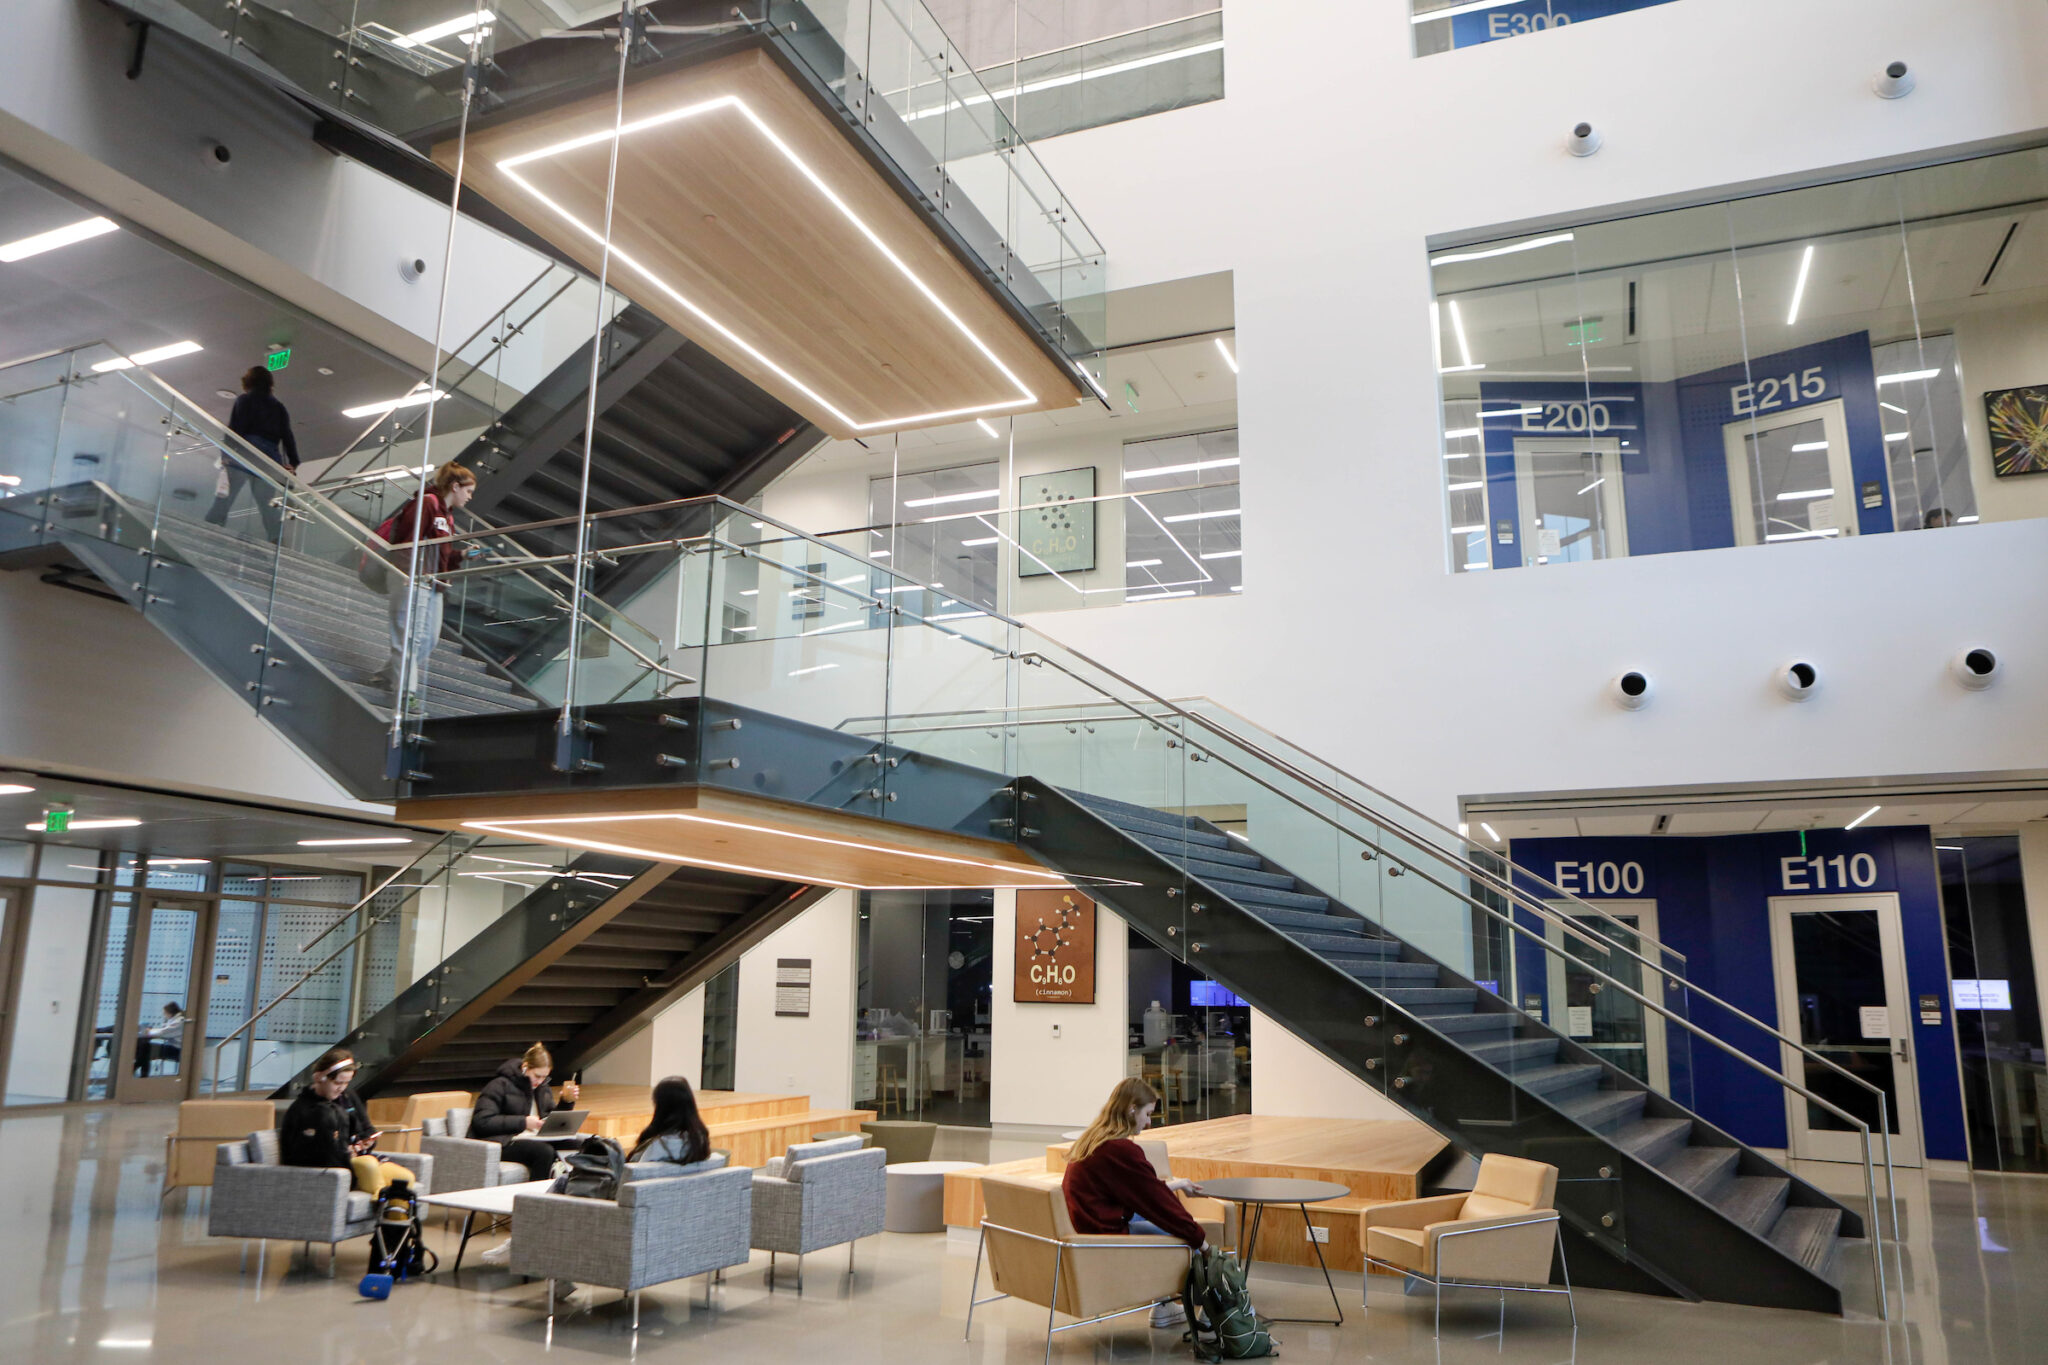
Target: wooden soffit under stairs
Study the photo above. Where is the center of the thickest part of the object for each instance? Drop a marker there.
(708, 827)
(748, 220)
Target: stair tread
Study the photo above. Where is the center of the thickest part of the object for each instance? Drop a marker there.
(1753, 1200)
(1603, 1108)
(1346, 945)
(1548, 1080)
(1809, 1236)
(1317, 921)
(1700, 1169)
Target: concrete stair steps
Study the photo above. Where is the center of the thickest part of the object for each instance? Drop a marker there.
(1755, 1201)
(1606, 1110)
(1702, 1169)
(1811, 1237)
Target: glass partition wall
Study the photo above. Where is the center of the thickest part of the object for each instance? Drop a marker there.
(1844, 360)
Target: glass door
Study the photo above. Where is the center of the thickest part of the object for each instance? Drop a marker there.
(1789, 476)
(1605, 1022)
(157, 1040)
(1570, 500)
(1842, 992)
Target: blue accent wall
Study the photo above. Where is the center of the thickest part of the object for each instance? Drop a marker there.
(1674, 457)
(1713, 904)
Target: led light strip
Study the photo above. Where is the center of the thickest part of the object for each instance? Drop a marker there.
(551, 835)
(510, 164)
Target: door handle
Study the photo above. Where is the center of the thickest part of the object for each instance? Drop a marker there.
(1904, 1051)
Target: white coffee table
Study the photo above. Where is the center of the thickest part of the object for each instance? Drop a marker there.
(914, 1194)
(495, 1200)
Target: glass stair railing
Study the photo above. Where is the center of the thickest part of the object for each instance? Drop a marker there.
(102, 461)
(813, 673)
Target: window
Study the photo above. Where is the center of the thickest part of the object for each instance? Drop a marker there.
(1844, 360)
(937, 536)
(1183, 531)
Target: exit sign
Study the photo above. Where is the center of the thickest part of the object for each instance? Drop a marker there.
(278, 358)
(56, 821)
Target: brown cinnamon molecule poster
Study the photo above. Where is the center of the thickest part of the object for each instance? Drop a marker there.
(1055, 948)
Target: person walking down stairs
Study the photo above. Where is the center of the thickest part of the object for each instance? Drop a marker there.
(416, 603)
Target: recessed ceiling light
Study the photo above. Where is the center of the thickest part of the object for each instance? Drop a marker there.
(88, 824)
(509, 166)
(56, 237)
(411, 400)
(322, 371)
(150, 357)
(347, 843)
(13, 789)
(223, 393)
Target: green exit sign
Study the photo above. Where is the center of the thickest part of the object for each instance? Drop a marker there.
(278, 358)
(56, 821)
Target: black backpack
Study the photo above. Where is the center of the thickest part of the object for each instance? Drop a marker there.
(595, 1170)
(1221, 1322)
(398, 1246)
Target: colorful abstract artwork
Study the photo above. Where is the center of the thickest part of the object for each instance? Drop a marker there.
(2018, 422)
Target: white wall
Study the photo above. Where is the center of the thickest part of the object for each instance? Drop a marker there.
(1036, 1079)
(1293, 1080)
(1318, 184)
(94, 689)
(52, 980)
(813, 1055)
(671, 1044)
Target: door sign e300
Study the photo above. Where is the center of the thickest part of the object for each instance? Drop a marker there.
(1772, 392)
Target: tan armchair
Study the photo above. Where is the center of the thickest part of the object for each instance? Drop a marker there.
(202, 1126)
(1499, 1236)
(1034, 1254)
(1217, 1218)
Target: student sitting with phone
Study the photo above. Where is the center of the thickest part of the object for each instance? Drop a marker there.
(515, 1105)
(327, 1126)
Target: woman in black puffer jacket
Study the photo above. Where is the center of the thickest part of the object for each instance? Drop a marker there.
(513, 1105)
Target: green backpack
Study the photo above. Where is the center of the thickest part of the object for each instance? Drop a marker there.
(1221, 1322)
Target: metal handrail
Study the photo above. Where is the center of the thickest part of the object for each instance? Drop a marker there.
(370, 923)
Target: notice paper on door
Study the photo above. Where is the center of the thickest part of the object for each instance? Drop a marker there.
(1549, 543)
(1876, 1021)
(1578, 1021)
(1820, 514)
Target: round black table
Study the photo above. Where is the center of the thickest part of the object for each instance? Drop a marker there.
(1257, 1192)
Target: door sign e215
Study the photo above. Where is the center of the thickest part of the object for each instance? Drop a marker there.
(1772, 392)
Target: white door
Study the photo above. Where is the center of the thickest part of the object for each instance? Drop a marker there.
(1569, 496)
(1841, 974)
(1593, 1014)
(1789, 476)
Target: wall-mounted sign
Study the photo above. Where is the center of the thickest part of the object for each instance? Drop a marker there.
(792, 988)
(1875, 1020)
(1055, 948)
(278, 359)
(1056, 526)
(1982, 994)
(1578, 1021)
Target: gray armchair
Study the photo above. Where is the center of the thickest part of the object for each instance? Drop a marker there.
(257, 1197)
(462, 1162)
(824, 1193)
(663, 1229)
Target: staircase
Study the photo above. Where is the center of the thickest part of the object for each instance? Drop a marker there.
(583, 961)
(1699, 1214)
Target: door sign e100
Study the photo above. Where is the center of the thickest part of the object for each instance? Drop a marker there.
(1600, 879)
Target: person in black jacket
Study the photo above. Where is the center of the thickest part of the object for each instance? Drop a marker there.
(327, 1126)
(259, 419)
(513, 1105)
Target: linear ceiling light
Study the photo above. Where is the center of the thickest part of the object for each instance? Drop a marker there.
(1810, 445)
(981, 540)
(1907, 376)
(411, 400)
(510, 167)
(1466, 530)
(1224, 554)
(150, 357)
(1509, 412)
(348, 843)
(553, 834)
(1491, 833)
(1204, 516)
(1465, 487)
(1799, 286)
(89, 824)
(1897, 435)
(1590, 487)
(1143, 563)
(814, 668)
(1861, 818)
(1194, 468)
(13, 789)
(1802, 494)
(1894, 407)
(447, 28)
(56, 237)
(944, 498)
(1460, 433)
(993, 434)
(1456, 256)
(1458, 330)
(1228, 358)
(1071, 78)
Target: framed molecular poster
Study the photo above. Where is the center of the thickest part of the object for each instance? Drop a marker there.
(1055, 948)
(1056, 522)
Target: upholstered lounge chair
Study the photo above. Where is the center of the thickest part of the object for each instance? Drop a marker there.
(1499, 1236)
(822, 1194)
(256, 1196)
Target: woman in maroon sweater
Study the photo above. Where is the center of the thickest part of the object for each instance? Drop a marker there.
(1111, 1187)
(416, 602)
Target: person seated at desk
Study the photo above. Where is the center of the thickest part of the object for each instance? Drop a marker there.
(513, 1105)
(1111, 1187)
(163, 1041)
(676, 1133)
(327, 1126)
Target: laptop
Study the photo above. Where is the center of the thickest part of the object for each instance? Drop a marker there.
(562, 1123)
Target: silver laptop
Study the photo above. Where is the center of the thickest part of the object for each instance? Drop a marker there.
(562, 1123)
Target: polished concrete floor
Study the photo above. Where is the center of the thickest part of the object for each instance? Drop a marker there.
(92, 1275)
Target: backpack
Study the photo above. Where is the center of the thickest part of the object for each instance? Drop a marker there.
(373, 570)
(594, 1170)
(398, 1246)
(1221, 1322)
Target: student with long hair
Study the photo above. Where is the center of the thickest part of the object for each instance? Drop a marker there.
(328, 1126)
(513, 1105)
(1111, 1187)
(676, 1133)
(416, 603)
